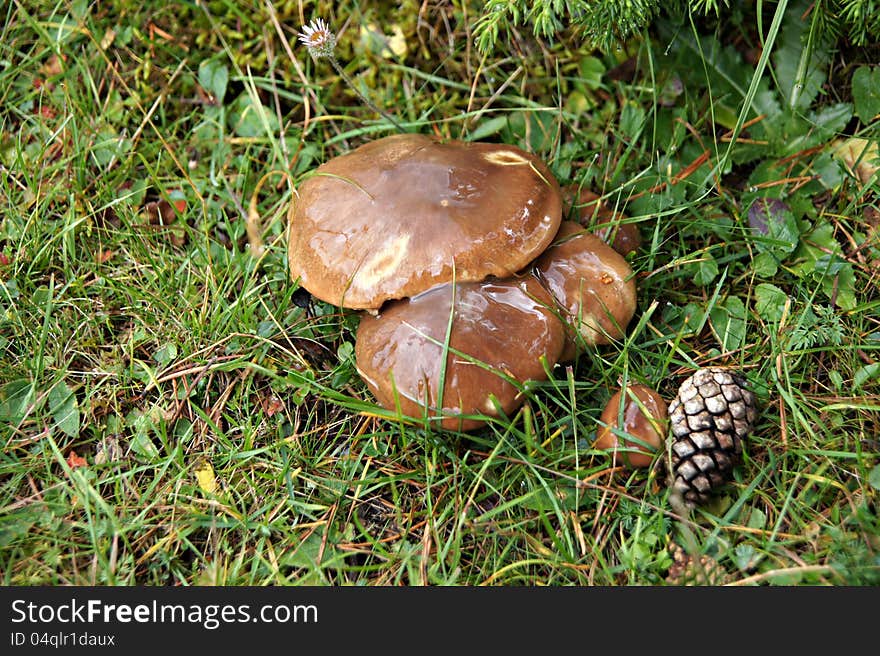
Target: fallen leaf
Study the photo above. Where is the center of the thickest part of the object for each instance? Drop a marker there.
(4, 259)
(109, 37)
(74, 461)
(871, 214)
(160, 212)
(860, 157)
(205, 477)
(108, 450)
(53, 66)
(271, 405)
(388, 46)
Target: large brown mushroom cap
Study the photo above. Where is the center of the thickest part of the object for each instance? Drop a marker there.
(501, 330)
(591, 282)
(606, 223)
(402, 214)
(642, 414)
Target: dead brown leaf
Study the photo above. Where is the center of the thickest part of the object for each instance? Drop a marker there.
(53, 66)
(160, 212)
(271, 404)
(74, 461)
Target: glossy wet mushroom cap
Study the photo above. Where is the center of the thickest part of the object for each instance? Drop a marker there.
(591, 282)
(642, 416)
(611, 226)
(401, 214)
(500, 331)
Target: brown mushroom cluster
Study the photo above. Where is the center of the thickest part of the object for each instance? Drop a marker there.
(633, 425)
(469, 280)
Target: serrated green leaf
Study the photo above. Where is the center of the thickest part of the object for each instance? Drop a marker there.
(822, 126)
(829, 170)
(64, 409)
(142, 445)
(746, 557)
(16, 524)
(866, 92)
(770, 302)
(757, 518)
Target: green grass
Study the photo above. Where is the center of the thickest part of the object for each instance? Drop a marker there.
(171, 413)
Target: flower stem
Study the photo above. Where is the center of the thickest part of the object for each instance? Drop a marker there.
(369, 103)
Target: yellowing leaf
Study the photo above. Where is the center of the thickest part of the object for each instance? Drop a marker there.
(205, 477)
(397, 42)
(109, 37)
(383, 44)
(860, 157)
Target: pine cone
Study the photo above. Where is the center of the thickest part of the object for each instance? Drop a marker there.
(687, 570)
(710, 416)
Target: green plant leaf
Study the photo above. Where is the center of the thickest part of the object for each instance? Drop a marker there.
(64, 409)
(874, 477)
(866, 92)
(591, 70)
(488, 128)
(864, 374)
(705, 270)
(165, 354)
(16, 524)
(774, 227)
(770, 302)
(746, 557)
(728, 321)
(214, 76)
(822, 126)
(251, 119)
(632, 120)
(799, 62)
(820, 256)
(15, 397)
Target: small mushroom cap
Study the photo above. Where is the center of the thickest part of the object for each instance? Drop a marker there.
(644, 417)
(591, 282)
(501, 330)
(401, 214)
(591, 212)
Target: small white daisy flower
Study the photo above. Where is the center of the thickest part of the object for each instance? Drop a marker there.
(318, 38)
